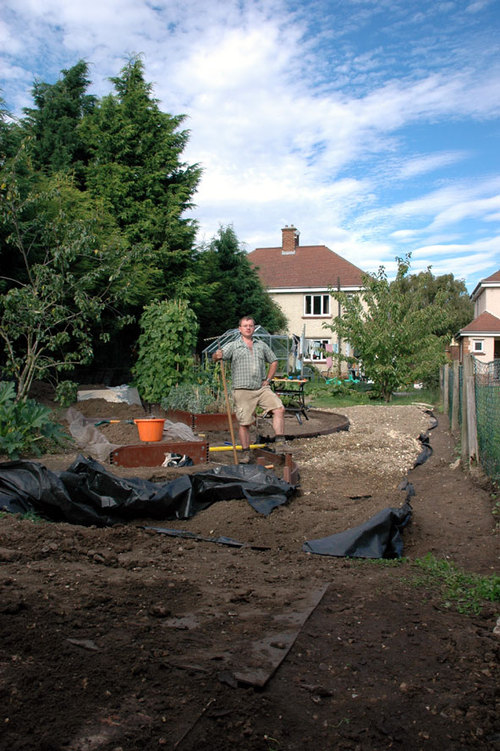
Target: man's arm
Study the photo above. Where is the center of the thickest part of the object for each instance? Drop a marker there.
(271, 373)
(223, 353)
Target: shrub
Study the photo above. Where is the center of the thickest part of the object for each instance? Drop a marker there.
(203, 394)
(25, 424)
(66, 393)
(166, 347)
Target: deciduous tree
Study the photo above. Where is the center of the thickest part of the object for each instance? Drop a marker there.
(395, 341)
(72, 268)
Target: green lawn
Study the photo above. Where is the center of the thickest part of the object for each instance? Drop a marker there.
(321, 395)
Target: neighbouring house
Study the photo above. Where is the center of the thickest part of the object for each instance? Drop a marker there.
(481, 337)
(298, 278)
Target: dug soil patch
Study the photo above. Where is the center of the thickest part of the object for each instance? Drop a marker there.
(124, 638)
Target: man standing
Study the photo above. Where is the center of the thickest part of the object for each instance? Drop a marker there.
(248, 357)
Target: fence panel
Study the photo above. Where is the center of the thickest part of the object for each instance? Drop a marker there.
(487, 381)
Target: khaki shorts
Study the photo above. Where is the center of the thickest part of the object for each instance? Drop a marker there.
(246, 402)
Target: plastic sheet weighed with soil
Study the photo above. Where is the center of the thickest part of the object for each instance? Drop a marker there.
(86, 493)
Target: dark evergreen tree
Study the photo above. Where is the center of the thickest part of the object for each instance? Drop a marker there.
(136, 167)
(10, 138)
(53, 124)
(231, 288)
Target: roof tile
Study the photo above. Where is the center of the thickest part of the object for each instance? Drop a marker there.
(485, 323)
(309, 266)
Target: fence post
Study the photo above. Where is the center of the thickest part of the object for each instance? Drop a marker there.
(469, 422)
(455, 399)
(446, 381)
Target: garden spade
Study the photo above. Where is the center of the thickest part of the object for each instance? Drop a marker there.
(228, 409)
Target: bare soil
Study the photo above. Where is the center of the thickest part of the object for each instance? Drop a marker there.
(124, 638)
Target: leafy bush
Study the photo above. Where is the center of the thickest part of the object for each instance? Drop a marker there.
(66, 393)
(166, 347)
(25, 424)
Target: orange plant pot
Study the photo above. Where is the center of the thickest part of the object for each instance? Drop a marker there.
(150, 429)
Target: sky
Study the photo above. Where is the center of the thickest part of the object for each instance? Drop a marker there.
(372, 126)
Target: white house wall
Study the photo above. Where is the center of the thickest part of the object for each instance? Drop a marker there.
(488, 300)
(488, 343)
(292, 305)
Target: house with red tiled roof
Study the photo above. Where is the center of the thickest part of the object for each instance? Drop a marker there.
(298, 278)
(481, 337)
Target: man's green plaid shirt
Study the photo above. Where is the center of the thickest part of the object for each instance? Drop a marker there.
(248, 368)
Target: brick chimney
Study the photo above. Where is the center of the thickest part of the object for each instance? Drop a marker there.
(290, 240)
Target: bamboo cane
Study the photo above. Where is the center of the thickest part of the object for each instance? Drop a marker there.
(228, 409)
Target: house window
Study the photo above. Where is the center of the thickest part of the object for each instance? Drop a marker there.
(315, 349)
(316, 305)
(477, 345)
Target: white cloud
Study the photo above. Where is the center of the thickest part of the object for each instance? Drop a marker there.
(296, 117)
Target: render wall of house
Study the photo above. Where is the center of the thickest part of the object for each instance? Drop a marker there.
(292, 305)
(488, 353)
(488, 300)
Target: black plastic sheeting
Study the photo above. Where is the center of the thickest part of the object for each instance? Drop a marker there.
(380, 536)
(86, 493)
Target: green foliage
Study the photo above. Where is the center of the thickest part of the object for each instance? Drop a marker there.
(467, 593)
(202, 392)
(166, 348)
(395, 341)
(65, 273)
(66, 393)
(130, 188)
(227, 277)
(195, 398)
(135, 167)
(55, 141)
(450, 294)
(25, 424)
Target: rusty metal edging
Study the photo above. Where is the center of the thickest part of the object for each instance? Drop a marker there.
(153, 454)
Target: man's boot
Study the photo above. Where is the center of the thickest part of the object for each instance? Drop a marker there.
(244, 457)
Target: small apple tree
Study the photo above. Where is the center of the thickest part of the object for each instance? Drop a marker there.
(59, 270)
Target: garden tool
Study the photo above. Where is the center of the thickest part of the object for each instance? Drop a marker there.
(228, 408)
(112, 422)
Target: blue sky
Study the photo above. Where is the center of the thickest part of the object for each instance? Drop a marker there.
(371, 125)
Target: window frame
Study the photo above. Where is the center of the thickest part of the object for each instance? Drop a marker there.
(324, 305)
(318, 344)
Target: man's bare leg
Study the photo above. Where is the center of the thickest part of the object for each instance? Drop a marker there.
(244, 431)
(279, 421)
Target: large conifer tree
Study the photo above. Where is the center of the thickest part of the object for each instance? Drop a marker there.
(53, 124)
(135, 165)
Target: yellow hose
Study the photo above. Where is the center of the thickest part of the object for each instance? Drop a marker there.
(239, 448)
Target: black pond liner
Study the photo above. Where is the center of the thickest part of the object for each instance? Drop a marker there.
(380, 536)
(88, 494)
